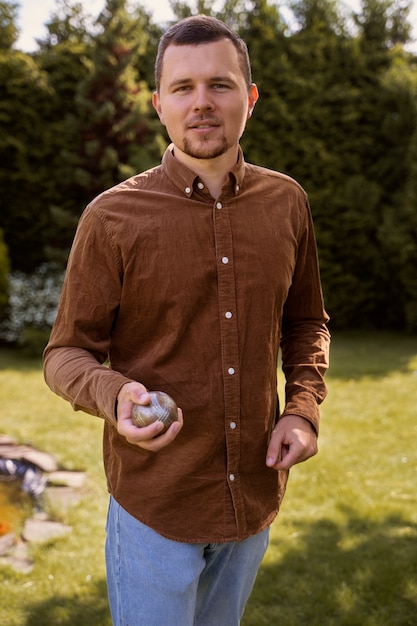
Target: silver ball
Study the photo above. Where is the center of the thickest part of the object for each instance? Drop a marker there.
(161, 408)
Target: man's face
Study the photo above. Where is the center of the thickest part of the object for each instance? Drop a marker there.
(203, 99)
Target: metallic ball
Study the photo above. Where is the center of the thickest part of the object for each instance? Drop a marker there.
(161, 407)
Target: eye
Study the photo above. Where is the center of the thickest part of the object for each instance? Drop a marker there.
(181, 88)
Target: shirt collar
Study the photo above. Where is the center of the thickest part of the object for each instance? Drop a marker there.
(185, 179)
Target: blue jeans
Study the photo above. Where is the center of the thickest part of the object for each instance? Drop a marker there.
(153, 581)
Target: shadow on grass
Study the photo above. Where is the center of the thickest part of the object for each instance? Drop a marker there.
(354, 355)
(355, 574)
(358, 573)
(90, 609)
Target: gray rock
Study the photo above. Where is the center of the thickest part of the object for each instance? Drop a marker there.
(7, 543)
(45, 461)
(69, 479)
(39, 531)
(20, 559)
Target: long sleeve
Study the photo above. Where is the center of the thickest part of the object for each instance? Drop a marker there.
(305, 338)
(75, 358)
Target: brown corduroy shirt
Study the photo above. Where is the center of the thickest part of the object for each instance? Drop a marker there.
(193, 296)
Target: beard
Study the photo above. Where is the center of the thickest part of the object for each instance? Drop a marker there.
(201, 150)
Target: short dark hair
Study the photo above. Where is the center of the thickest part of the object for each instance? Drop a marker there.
(200, 29)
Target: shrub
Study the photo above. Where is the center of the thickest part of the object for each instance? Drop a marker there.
(4, 272)
(33, 301)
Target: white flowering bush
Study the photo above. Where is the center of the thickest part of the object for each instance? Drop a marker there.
(33, 301)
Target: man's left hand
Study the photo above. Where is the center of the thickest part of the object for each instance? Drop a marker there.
(293, 440)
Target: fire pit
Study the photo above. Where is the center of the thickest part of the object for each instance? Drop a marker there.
(30, 481)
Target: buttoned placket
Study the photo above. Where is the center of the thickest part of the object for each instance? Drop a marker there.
(230, 351)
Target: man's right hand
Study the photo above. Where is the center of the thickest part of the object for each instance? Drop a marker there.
(146, 437)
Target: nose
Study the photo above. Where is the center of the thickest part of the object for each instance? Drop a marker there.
(203, 100)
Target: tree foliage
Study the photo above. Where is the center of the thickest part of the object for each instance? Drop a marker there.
(26, 153)
(8, 27)
(4, 273)
(113, 104)
(338, 112)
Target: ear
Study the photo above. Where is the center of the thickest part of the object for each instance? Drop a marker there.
(157, 106)
(253, 96)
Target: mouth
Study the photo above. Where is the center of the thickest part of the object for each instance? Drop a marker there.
(203, 125)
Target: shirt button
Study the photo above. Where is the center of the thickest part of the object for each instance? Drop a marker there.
(231, 477)
(200, 185)
(228, 315)
(231, 370)
(187, 190)
(232, 425)
(219, 205)
(225, 260)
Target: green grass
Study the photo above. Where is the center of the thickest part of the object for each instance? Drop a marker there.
(343, 549)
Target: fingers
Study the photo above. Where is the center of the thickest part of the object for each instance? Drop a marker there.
(280, 456)
(129, 394)
(133, 433)
(293, 440)
(146, 437)
(160, 441)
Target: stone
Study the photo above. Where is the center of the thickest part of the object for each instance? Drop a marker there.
(43, 460)
(7, 542)
(39, 531)
(20, 559)
(67, 478)
(62, 497)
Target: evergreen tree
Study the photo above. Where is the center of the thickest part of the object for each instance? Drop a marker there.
(271, 127)
(26, 183)
(115, 123)
(4, 272)
(8, 28)
(397, 230)
(330, 116)
(65, 55)
(36, 98)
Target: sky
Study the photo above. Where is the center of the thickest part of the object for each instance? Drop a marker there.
(34, 13)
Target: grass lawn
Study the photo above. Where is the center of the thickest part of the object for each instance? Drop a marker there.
(343, 550)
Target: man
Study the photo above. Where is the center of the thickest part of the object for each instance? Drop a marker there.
(187, 278)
